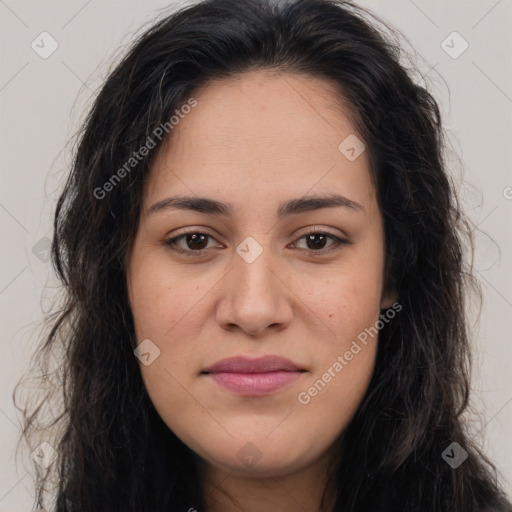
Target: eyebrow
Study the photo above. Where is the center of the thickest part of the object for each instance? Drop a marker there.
(294, 206)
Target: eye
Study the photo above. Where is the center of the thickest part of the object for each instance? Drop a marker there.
(191, 242)
(316, 239)
(194, 243)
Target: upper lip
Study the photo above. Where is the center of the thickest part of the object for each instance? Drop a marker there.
(264, 364)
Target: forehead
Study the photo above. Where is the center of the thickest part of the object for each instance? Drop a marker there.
(259, 135)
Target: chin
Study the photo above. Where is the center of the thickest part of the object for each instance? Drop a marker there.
(258, 455)
(271, 463)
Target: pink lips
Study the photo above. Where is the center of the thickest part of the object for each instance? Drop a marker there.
(253, 377)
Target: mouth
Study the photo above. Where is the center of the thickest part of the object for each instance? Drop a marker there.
(253, 377)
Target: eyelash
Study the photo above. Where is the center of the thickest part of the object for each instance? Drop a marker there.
(338, 242)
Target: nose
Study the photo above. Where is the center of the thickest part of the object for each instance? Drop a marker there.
(255, 297)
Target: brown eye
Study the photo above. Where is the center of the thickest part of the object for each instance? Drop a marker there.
(316, 242)
(193, 242)
(196, 240)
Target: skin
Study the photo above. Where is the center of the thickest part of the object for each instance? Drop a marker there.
(254, 141)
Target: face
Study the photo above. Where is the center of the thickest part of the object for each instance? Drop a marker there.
(283, 288)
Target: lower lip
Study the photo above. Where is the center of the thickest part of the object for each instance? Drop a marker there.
(254, 384)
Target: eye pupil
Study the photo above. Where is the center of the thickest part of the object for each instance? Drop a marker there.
(313, 237)
(195, 237)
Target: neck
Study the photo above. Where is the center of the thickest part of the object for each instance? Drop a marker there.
(225, 491)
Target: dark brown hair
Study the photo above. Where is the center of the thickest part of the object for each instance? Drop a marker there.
(114, 451)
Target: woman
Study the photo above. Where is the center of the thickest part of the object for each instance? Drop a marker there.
(262, 257)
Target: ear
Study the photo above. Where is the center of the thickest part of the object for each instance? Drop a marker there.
(389, 289)
(388, 299)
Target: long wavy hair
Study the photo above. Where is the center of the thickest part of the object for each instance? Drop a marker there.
(113, 451)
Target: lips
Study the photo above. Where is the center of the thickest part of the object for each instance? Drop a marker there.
(253, 377)
(263, 364)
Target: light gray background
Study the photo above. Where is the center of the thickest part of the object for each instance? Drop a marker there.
(42, 103)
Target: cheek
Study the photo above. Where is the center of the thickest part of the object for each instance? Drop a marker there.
(163, 300)
(345, 360)
(331, 398)
(169, 309)
(347, 301)
(167, 314)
